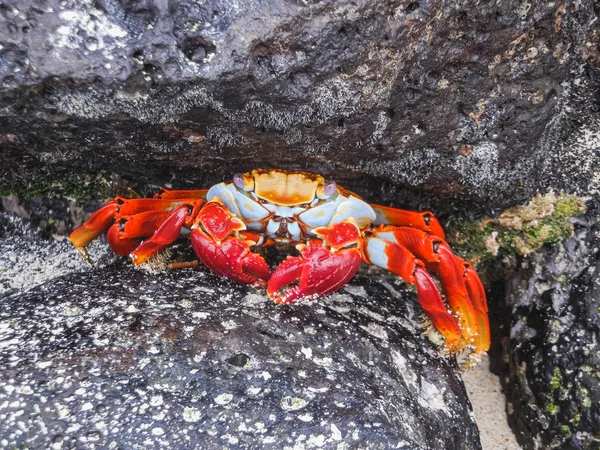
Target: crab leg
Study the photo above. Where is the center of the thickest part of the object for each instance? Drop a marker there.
(144, 216)
(165, 193)
(453, 276)
(123, 235)
(477, 296)
(97, 224)
(424, 221)
(167, 233)
(399, 260)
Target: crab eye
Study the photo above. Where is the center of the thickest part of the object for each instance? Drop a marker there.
(238, 180)
(330, 188)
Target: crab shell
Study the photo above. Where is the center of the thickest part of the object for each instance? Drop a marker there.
(264, 199)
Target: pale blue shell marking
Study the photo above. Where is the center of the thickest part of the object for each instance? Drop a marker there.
(375, 250)
(320, 216)
(238, 203)
(354, 208)
(283, 211)
(272, 228)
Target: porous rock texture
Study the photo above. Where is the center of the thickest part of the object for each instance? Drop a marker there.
(469, 101)
(552, 377)
(460, 107)
(114, 357)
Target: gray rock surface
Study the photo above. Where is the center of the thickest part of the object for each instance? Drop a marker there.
(468, 101)
(458, 107)
(552, 378)
(114, 357)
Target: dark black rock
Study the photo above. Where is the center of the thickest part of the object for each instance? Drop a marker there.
(116, 357)
(406, 102)
(552, 378)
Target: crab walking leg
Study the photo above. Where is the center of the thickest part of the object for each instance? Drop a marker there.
(399, 260)
(477, 295)
(165, 193)
(102, 219)
(216, 243)
(123, 235)
(166, 234)
(424, 221)
(440, 259)
(119, 245)
(97, 224)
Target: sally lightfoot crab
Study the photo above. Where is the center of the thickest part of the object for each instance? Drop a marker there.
(333, 229)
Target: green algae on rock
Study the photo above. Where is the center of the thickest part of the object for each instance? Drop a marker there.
(519, 230)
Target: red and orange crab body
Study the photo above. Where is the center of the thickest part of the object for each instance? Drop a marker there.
(333, 229)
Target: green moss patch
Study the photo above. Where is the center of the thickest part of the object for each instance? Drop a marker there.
(71, 185)
(546, 219)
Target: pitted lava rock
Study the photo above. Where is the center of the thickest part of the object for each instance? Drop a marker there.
(118, 357)
(411, 103)
(552, 378)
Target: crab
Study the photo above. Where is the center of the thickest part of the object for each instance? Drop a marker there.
(333, 229)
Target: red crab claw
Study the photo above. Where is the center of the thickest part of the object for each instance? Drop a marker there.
(323, 267)
(215, 242)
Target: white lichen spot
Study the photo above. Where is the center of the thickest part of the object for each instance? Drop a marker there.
(289, 403)
(255, 300)
(62, 410)
(406, 373)
(158, 431)
(253, 391)
(431, 396)
(359, 291)
(199, 357)
(154, 350)
(316, 441)
(266, 376)
(156, 400)
(443, 84)
(44, 364)
(230, 439)
(305, 417)
(319, 390)
(307, 352)
(370, 313)
(87, 406)
(186, 303)
(229, 325)
(380, 124)
(191, 414)
(376, 330)
(323, 362)
(80, 391)
(223, 399)
(336, 434)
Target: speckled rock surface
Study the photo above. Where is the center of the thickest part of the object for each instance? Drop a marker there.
(467, 101)
(115, 357)
(553, 375)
